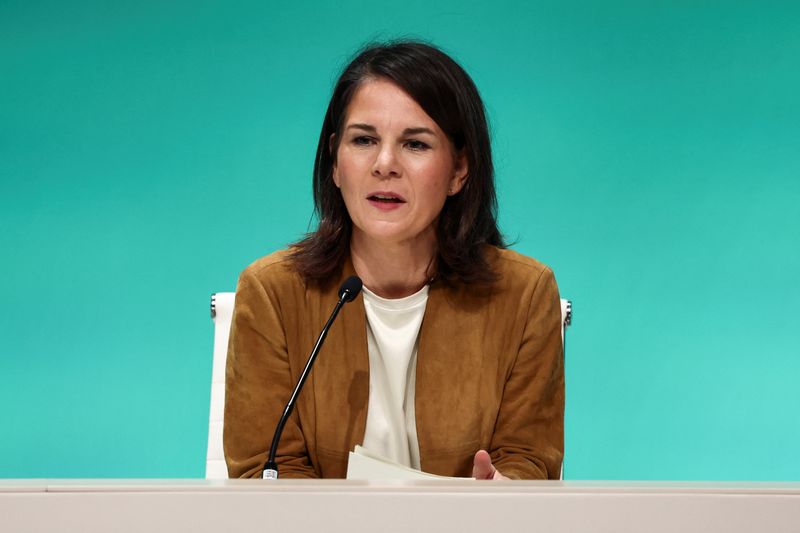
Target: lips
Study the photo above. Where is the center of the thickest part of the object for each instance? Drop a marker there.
(386, 197)
(385, 201)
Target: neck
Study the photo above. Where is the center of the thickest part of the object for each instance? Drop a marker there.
(393, 270)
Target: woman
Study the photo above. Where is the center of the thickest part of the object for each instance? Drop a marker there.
(450, 359)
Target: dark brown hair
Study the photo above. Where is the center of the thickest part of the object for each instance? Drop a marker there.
(468, 221)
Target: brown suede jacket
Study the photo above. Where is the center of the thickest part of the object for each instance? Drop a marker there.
(490, 373)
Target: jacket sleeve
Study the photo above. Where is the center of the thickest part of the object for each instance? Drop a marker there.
(528, 441)
(258, 383)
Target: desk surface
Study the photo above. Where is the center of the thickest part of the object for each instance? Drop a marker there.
(396, 506)
(338, 485)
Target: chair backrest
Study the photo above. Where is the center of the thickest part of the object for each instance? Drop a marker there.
(221, 313)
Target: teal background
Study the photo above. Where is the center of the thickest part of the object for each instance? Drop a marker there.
(648, 151)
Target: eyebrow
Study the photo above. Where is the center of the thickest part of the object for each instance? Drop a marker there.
(365, 127)
(407, 131)
(417, 131)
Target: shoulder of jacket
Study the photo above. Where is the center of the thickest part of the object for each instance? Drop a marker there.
(513, 263)
(273, 268)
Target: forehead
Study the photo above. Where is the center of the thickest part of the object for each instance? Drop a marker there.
(380, 102)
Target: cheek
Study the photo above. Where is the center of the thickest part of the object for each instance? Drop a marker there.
(438, 175)
(344, 179)
(345, 169)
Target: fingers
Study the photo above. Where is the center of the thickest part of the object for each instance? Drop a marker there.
(482, 467)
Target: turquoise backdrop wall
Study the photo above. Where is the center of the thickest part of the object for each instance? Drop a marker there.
(648, 151)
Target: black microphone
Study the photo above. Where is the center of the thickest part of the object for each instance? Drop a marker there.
(347, 293)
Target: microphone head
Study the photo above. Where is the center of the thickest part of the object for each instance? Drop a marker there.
(350, 289)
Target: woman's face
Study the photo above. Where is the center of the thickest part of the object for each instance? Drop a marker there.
(394, 166)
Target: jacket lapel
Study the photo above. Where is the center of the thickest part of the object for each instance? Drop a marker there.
(449, 375)
(341, 375)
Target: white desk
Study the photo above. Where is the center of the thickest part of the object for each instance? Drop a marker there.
(409, 506)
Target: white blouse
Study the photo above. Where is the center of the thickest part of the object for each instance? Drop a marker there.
(392, 340)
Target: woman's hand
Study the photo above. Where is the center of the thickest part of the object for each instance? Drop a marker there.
(482, 467)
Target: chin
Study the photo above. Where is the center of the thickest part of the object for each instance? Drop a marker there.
(393, 236)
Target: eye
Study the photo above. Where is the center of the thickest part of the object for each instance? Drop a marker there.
(417, 146)
(363, 140)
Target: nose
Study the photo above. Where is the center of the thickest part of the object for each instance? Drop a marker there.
(386, 164)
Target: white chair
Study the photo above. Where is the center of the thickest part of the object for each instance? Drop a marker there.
(221, 313)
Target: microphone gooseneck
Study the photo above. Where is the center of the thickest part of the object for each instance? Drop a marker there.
(347, 293)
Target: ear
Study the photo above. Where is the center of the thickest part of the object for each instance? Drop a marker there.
(332, 150)
(460, 174)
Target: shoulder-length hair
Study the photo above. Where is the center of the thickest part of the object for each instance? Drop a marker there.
(468, 220)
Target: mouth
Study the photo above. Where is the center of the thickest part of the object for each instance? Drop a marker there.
(386, 198)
